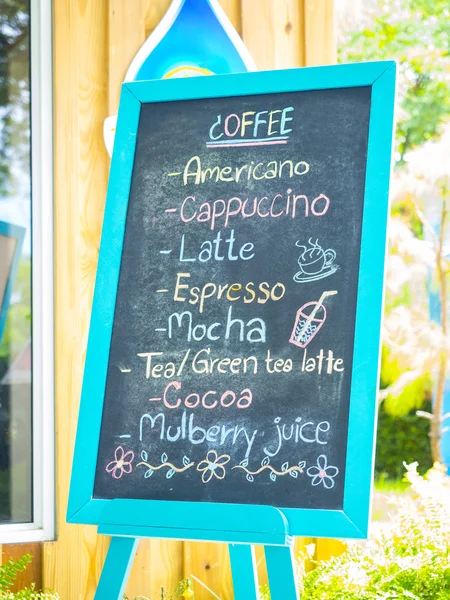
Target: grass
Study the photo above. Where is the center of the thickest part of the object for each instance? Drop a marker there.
(383, 485)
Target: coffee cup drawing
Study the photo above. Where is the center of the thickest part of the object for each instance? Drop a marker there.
(315, 262)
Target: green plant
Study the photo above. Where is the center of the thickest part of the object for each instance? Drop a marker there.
(183, 590)
(30, 594)
(408, 560)
(10, 570)
(416, 348)
(8, 574)
(417, 34)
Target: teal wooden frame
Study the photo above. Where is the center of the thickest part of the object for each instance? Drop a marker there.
(228, 522)
(18, 233)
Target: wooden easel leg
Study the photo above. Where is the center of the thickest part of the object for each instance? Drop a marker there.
(243, 569)
(116, 568)
(281, 571)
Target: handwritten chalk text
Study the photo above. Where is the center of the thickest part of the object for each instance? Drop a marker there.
(247, 293)
(193, 171)
(187, 430)
(201, 363)
(215, 250)
(251, 128)
(219, 213)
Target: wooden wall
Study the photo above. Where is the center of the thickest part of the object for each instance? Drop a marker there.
(94, 41)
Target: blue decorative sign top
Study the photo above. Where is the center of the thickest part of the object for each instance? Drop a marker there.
(194, 38)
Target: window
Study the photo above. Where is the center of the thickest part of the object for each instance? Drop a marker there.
(26, 284)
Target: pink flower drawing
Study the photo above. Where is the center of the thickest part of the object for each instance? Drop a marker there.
(122, 463)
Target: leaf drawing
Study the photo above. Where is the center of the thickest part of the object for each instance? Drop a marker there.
(273, 477)
(285, 467)
(163, 457)
(144, 455)
(265, 461)
(244, 463)
(170, 473)
(186, 461)
(294, 474)
(148, 473)
(250, 478)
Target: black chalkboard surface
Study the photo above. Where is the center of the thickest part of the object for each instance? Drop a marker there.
(232, 344)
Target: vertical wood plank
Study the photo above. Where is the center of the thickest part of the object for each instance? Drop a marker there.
(320, 32)
(210, 564)
(155, 12)
(33, 572)
(157, 9)
(72, 564)
(273, 32)
(233, 10)
(158, 564)
(261, 565)
(126, 35)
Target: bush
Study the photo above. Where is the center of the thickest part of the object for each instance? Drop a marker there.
(409, 560)
(402, 438)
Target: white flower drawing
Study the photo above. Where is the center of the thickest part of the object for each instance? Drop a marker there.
(322, 473)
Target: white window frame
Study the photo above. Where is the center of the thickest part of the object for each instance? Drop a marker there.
(42, 528)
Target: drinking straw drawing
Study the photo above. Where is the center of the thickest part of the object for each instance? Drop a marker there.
(307, 326)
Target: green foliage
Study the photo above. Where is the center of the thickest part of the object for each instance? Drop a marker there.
(9, 571)
(8, 574)
(30, 594)
(401, 439)
(410, 559)
(183, 590)
(264, 592)
(412, 396)
(14, 89)
(417, 34)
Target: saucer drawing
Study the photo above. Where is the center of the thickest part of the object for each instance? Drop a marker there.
(301, 277)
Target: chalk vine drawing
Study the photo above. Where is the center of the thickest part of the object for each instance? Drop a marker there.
(315, 263)
(309, 319)
(171, 468)
(122, 463)
(322, 473)
(266, 466)
(213, 466)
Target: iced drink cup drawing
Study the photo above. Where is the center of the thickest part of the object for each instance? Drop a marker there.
(309, 319)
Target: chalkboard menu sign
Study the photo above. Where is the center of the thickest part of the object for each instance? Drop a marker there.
(229, 371)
